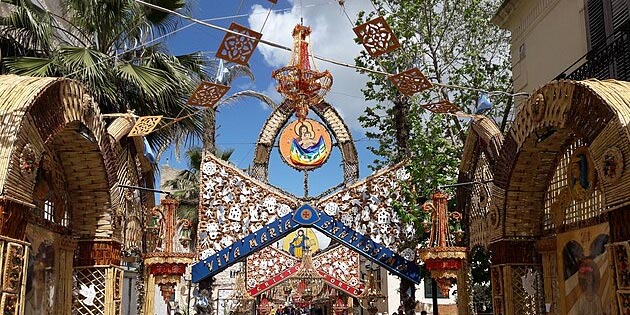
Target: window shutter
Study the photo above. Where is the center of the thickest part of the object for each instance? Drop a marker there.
(619, 10)
(595, 23)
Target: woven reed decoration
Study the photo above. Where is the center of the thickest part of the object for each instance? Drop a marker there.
(144, 126)
(13, 219)
(238, 48)
(332, 120)
(496, 215)
(120, 127)
(410, 81)
(97, 253)
(490, 135)
(496, 275)
(618, 220)
(97, 278)
(519, 251)
(550, 279)
(207, 94)
(560, 207)
(480, 203)
(377, 37)
(53, 103)
(522, 302)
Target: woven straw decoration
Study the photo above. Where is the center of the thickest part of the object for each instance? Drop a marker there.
(144, 126)
(442, 107)
(410, 81)
(238, 48)
(377, 37)
(207, 94)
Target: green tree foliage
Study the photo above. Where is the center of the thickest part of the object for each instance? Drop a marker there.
(453, 43)
(108, 45)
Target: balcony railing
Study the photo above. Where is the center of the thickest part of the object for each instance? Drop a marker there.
(611, 61)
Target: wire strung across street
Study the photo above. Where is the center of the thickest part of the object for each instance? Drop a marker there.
(324, 59)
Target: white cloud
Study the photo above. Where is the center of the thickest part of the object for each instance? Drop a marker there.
(332, 38)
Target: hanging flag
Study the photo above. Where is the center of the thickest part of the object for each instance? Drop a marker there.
(148, 152)
(221, 71)
(483, 104)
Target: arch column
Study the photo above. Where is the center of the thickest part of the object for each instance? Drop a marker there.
(96, 265)
(512, 260)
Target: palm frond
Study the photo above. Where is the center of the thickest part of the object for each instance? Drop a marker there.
(30, 66)
(164, 22)
(150, 81)
(249, 93)
(28, 26)
(237, 71)
(223, 154)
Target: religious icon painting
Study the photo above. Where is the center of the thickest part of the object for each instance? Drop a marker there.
(611, 165)
(305, 145)
(581, 174)
(300, 241)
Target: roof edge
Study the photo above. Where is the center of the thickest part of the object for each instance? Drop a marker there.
(503, 13)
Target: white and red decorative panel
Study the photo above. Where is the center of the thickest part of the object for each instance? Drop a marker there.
(366, 206)
(341, 268)
(269, 267)
(234, 205)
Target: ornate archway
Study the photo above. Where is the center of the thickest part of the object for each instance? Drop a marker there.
(559, 180)
(57, 175)
(277, 120)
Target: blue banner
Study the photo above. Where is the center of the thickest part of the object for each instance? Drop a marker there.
(305, 216)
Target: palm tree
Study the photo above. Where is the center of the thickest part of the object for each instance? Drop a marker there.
(108, 45)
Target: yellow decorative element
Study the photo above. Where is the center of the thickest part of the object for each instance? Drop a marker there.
(300, 241)
(144, 126)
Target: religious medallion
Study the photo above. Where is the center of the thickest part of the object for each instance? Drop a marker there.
(305, 145)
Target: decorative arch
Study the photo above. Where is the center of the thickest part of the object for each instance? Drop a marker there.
(481, 151)
(333, 121)
(54, 148)
(556, 114)
(54, 114)
(566, 133)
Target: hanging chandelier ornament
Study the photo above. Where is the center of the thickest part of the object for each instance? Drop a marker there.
(442, 257)
(370, 295)
(243, 300)
(307, 282)
(298, 82)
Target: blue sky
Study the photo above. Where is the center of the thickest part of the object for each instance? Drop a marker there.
(240, 123)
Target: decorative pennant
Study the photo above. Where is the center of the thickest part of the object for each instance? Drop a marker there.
(144, 126)
(207, 94)
(411, 81)
(237, 48)
(377, 37)
(273, 1)
(442, 107)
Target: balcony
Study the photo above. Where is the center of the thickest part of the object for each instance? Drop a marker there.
(611, 61)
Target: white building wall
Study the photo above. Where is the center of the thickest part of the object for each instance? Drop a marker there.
(393, 296)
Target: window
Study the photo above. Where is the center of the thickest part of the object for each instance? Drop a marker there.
(603, 19)
(49, 209)
(521, 52)
(428, 290)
